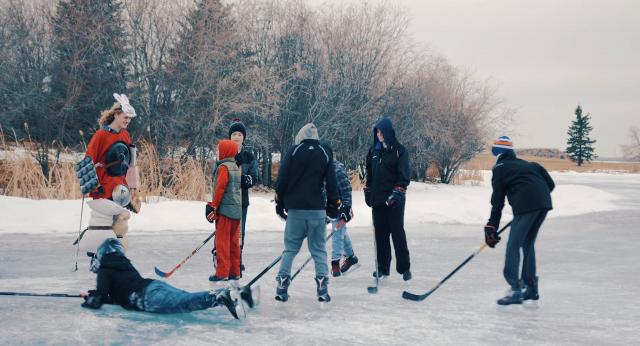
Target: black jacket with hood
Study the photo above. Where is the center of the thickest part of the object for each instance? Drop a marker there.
(387, 167)
(117, 279)
(304, 170)
(527, 186)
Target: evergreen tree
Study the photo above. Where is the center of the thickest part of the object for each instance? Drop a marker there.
(579, 145)
(203, 67)
(89, 48)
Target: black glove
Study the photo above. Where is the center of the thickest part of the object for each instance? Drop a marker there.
(210, 213)
(367, 197)
(332, 210)
(491, 235)
(396, 198)
(93, 301)
(246, 181)
(281, 211)
(345, 213)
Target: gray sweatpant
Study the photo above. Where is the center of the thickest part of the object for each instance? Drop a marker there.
(302, 224)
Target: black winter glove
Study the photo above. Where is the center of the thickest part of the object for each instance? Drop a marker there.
(246, 181)
(396, 198)
(367, 197)
(93, 300)
(332, 210)
(491, 235)
(210, 213)
(345, 212)
(281, 211)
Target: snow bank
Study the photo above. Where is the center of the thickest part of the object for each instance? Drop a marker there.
(426, 203)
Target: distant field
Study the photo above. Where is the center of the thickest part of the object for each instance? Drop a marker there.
(486, 161)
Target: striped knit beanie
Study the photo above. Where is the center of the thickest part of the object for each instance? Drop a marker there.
(501, 146)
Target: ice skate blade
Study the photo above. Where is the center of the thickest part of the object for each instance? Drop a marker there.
(351, 270)
(531, 304)
(240, 310)
(323, 305)
(510, 308)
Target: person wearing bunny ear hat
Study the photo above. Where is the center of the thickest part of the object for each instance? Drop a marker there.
(114, 158)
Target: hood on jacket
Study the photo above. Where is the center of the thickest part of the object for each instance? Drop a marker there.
(308, 131)
(389, 133)
(226, 149)
(109, 246)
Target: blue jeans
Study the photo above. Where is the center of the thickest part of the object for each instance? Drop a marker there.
(161, 297)
(340, 242)
(302, 224)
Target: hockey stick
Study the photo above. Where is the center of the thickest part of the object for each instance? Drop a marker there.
(79, 234)
(168, 274)
(245, 291)
(57, 295)
(339, 225)
(374, 289)
(421, 297)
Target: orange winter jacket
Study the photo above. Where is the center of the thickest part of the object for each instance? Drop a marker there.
(227, 197)
(100, 143)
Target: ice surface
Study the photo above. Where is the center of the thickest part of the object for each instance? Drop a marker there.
(587, 266)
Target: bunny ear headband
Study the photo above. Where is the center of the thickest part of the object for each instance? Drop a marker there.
(124, 104)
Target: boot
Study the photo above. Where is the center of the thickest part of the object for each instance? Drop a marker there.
(283, 285)
(348, 263)
(217, 281)
(406, 276)
(335, 268)
(323, 289)
(380, 274)
(531, 290)
(513, 297)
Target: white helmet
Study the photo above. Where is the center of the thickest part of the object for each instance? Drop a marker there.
(121, 195)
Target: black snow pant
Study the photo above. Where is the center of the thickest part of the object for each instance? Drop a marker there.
(390, 222)
(524, 230)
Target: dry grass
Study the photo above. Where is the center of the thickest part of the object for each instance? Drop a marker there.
(471, 177)
(486, 161)
(21, 175)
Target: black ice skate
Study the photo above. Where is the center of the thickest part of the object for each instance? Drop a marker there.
(283, 285)
(230, 299)
(514, 297)
(530, 291)
(335, 268)
(323, 289)
(348, 263)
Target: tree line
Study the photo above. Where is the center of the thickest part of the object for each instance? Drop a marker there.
(190, 67)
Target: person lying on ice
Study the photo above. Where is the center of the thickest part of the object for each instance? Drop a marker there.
(118, 282)
(528, 187)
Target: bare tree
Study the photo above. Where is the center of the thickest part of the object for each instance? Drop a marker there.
(632, 150)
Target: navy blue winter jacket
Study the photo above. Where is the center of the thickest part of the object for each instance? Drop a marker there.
(387, 167)
(526, 184)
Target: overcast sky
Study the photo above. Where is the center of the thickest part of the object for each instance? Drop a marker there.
(546, 56)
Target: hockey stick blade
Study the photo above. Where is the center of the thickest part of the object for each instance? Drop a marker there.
(160, 273)
(372, 289)
(415, 297)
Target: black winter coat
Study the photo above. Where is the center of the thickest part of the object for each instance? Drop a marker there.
(387, 167)
(117, 279)
(303, 172)
(527, 186)
(248, 166)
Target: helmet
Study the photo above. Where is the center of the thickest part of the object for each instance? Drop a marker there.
(121, 195)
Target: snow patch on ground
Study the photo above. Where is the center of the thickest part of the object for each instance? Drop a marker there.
(426, 203)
